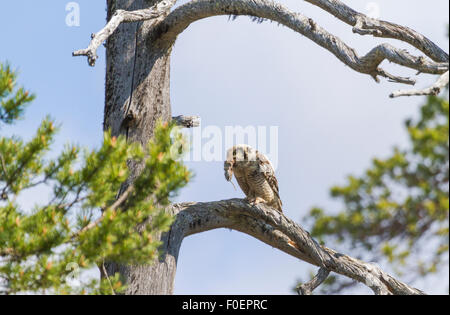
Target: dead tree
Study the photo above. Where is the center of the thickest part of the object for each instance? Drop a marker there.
(139, 37)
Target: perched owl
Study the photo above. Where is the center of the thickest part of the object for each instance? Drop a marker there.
(254, 174)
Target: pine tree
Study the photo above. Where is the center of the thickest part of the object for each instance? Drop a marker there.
(398, 210)
(48, 248)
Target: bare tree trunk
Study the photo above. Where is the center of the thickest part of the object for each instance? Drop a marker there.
(137, 95)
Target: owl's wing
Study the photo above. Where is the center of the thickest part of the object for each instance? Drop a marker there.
(269, 173)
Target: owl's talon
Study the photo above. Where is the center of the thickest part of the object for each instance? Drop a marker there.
(255, 201)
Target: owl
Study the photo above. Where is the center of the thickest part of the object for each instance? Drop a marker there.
(254, 174)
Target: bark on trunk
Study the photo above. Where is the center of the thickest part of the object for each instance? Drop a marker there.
(137, 95)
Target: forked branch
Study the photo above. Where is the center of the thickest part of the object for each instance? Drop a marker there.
(119, 17)
(364, 25)
(276, 230)
(180, 18)
(167, 26)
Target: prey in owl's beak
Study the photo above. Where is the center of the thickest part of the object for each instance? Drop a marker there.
(228, 168)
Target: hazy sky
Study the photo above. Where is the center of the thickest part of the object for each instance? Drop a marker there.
(331, 120)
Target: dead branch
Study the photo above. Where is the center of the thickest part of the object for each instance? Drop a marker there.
(169, 25)
(314, 283)
(180, 18)
(276, 230)
(435, 89)
(365, 25)
(187, 121)
(119, 17)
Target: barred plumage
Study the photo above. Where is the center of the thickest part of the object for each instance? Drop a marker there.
(254, 174)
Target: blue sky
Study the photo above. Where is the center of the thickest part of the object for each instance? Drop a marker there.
(331, 120)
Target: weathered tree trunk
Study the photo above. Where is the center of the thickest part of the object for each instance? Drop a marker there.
(137, 95)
